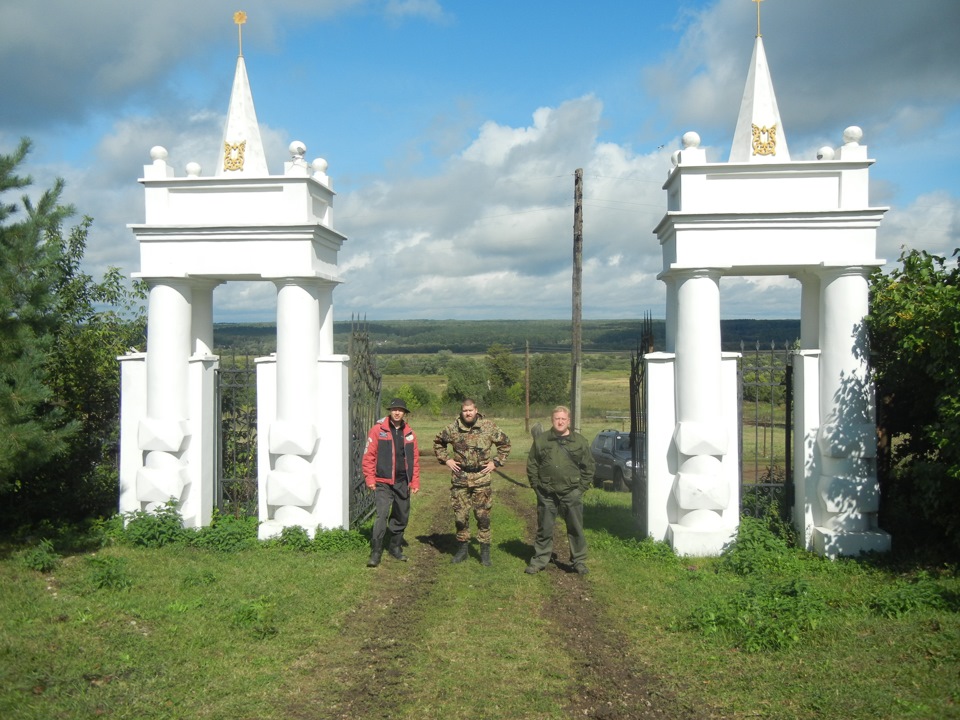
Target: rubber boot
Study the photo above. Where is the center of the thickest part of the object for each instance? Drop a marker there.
(485, 554)
(396, 552)
(376, 551)
(461, 552)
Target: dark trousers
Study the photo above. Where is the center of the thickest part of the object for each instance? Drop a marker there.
(393, 512)
(569, 506)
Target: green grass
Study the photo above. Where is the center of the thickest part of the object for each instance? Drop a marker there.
(272, 632)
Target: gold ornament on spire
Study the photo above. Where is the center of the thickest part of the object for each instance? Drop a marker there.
(764, 140)
(239, 18)
(758, 16)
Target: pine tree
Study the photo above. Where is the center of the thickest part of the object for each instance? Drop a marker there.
(32, 426)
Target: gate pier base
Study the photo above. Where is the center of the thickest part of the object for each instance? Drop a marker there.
(698, 543)
(834, 543)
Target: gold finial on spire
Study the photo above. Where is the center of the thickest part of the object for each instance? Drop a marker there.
(240, 17)
(758, 16)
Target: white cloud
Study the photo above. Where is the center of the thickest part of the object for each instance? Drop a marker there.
(483, 226)
(430, 9)
(931, 223)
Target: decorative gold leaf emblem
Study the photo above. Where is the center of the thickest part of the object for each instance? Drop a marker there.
(765, 140)
(233, 155)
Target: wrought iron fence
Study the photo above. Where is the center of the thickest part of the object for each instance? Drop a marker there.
(638, 425)
(365, 387)
(236, 403)
(766, 412)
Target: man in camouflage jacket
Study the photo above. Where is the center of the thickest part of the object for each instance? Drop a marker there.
(472, 447)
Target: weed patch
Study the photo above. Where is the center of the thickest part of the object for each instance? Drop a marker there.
(257, 617)
(636, 548)
(338, 541)
(764, 618)
(758, 551)
(906, 596)
(42, 558)
(109, 573)
(155, 529)
(227, 533)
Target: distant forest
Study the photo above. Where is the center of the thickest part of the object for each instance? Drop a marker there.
(475, 336)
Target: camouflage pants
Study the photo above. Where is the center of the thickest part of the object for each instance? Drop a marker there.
(479, 499)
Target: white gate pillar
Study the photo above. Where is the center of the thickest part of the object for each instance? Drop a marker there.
(163, 432)
(288, 484)
(848, 494)
(168, 418)
(705, 490)
(302, 415)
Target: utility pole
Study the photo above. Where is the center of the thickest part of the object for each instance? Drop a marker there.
(526, 420)
(576, 339)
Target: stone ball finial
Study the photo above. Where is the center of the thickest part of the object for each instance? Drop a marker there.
(690, 140)
(193, 169)
(158, 152)
(675, 158)
(297, 149)
(319, 165)
(852, 134)
(826, 153)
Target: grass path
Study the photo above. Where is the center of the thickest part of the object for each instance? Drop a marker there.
(435, 640)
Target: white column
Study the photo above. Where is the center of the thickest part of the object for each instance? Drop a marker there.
(702, 489)
(809, 310)
(202, 316)
(698, 346)
(200, 456)
(325, 298)
(298, 346)
(291, 485)
(847, 488)
(670, 324)
(168, 347)
(162, 433)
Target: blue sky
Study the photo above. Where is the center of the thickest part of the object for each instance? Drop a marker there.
(453, 129)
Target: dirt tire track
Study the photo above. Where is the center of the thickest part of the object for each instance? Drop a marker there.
(371, 682)
(610, 683)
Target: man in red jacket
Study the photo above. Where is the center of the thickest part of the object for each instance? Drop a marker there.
(391, 468)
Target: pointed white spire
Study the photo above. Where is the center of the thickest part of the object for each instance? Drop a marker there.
(241, 152)
(759, 136)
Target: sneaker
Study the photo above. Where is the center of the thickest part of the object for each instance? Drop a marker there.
(532, 570)
(580, 569)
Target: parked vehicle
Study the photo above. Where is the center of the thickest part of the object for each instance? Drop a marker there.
(613, 457)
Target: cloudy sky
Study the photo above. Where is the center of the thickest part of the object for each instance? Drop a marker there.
(453, 129)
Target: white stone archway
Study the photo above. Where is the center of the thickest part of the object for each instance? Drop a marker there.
(204, 230)
(763, 214)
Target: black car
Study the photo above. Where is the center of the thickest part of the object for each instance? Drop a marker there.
(613, 457)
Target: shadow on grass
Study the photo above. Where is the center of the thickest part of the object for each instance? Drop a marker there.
(517, 548)
(616, 520)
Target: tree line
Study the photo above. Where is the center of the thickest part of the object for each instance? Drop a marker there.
(465, 337)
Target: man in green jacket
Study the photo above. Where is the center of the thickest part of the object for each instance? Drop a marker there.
(559, 469)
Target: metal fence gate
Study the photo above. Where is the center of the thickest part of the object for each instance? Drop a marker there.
(638, 426)
(365, 387)
(235, 492)
(765, 400)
